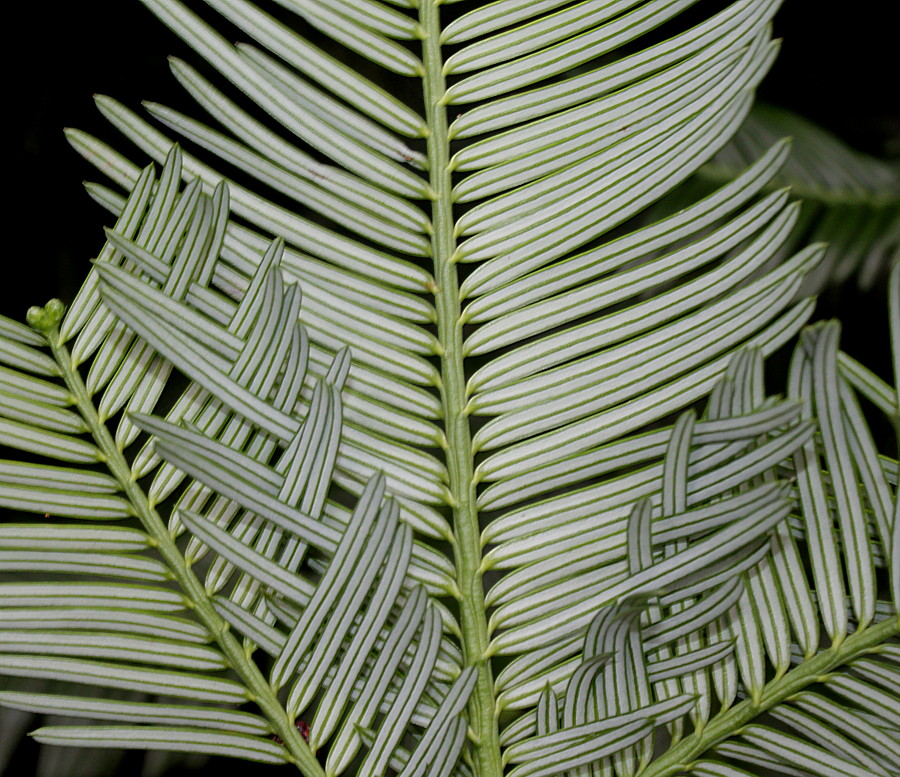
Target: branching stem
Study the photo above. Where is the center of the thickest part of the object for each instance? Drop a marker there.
(260, 692)
(728, 723)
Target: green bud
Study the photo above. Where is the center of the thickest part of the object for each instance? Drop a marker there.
(46, 318)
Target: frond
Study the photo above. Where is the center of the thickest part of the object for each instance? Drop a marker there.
(546, 517)
(696, 631)
(851, 200)
(323, 586)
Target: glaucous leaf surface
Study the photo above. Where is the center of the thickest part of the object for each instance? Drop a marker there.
(513, 497)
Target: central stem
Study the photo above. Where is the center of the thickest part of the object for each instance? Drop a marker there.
(473, 622)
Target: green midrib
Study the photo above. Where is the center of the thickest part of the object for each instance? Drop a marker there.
(729, 723)
(260, 692)
(473, 619)
(481, 710)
